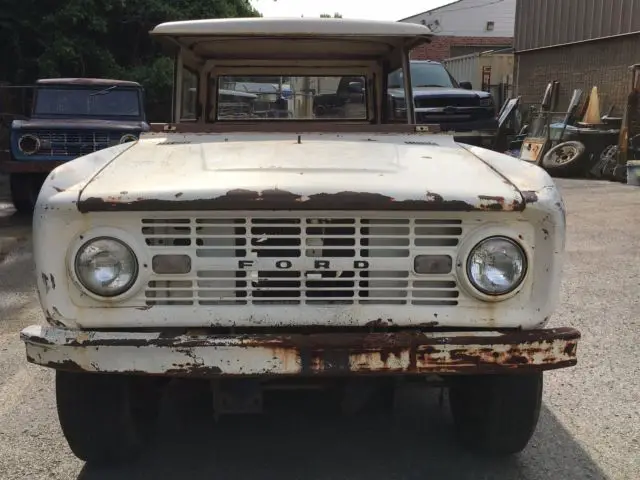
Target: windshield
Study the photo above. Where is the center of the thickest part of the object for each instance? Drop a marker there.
(290, 98)
(424, 75)
(91, 102)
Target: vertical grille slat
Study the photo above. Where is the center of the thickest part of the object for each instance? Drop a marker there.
(292, 261)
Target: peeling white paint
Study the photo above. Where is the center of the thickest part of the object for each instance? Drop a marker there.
(246, 355)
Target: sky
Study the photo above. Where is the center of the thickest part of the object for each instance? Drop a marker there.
(369, 9)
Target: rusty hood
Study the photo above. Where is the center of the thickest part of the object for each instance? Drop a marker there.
(290, 171)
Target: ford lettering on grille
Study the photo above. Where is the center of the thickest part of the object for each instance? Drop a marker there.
(302, 261)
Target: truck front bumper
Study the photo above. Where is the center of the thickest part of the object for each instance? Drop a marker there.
(406, 353)
(29, 166)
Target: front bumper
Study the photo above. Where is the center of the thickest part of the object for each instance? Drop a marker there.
(473, 352)
(30, 166)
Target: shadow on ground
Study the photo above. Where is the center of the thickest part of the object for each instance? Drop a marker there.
(296, 441)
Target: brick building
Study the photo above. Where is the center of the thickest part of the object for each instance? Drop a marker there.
(466, 26)
(580, 44)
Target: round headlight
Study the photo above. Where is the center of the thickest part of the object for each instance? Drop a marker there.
(29, 144)
(128, 137)
(496, 266)
(106, 267)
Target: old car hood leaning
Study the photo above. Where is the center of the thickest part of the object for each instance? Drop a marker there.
(290, 171)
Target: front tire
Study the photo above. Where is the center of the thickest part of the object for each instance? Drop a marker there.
(25, 188)
(107, 419)
(496, 414)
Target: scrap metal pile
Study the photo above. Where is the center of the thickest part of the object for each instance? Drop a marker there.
(579, 142)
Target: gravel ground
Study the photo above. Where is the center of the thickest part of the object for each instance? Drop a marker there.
(588, 429)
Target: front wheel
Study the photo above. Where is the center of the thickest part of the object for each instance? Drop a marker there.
(25, 188)
(496, 414)
(106, 419)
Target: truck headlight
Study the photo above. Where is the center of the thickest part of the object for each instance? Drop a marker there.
(128, 137)
(106, 266)
(486, 102)
(496, 266)
(29, 144)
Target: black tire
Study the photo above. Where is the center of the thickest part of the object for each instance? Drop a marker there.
(496, 414)
(620, 173)
(564, 159)
(107, 419)
(25, 188)
(607, 163)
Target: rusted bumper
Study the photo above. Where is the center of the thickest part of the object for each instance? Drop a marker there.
(474, 352)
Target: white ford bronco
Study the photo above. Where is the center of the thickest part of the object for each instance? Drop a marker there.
(257, 241)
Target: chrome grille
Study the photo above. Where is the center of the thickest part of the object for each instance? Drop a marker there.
(294, 261)
(436, 101)
(74, 143)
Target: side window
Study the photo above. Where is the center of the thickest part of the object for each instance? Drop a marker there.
(189, 95)
(395, 105)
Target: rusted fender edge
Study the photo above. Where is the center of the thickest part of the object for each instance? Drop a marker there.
(528, 196)
(316, 354)
(283, 200)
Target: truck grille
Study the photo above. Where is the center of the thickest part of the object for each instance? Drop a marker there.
(433, 101)
(74, 143)
(294, 261)
(462, 115)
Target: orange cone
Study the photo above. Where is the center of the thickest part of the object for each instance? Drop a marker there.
(592, 115)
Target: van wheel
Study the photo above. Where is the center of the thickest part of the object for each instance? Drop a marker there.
(496, 414)
(107, 419)
(25, 188)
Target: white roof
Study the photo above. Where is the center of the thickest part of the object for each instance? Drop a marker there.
(258, 26)
(290, 38)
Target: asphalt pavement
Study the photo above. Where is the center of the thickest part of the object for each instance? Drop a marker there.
(589, 426)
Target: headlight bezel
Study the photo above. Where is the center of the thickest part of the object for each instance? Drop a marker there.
(127, 138)
(486, 102)
(522, 237)
(35, 138)
(130, 242)
(514, 286)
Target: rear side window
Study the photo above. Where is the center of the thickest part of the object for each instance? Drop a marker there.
(189, 99)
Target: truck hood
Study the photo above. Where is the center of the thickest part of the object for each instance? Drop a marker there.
(290, 171)
(80, 124)
(421, 92)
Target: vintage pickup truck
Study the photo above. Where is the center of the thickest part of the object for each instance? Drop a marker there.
(264, 252)
(70, 117)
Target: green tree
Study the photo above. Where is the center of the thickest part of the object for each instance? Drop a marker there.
(97, 38)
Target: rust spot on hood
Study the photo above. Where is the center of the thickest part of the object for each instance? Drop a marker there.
(488, 202)
(284, 200)
(529, 196)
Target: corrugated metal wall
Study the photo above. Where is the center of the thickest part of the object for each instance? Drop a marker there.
(545, 23)
(468, 68)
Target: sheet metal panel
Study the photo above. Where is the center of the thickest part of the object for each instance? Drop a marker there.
(546, 23)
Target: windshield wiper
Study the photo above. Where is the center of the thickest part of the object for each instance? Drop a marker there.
(104, 92)
(425, 86)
